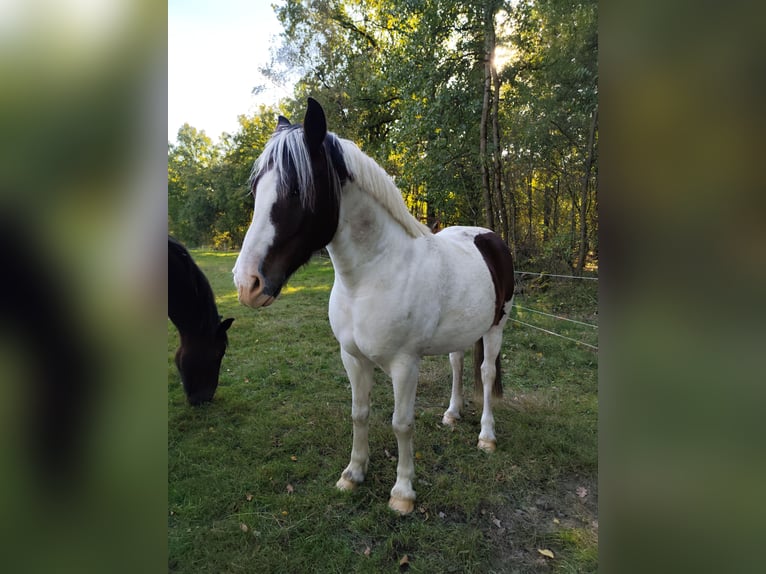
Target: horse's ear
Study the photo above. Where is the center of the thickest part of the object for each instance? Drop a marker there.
(224, 325)
(282, 123)
(314, 125)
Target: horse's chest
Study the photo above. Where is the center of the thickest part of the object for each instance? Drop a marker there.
(376, 324)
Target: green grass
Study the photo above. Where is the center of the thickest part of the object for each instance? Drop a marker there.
(251, 475)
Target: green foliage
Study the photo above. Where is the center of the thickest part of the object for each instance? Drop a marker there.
(405, 80)
(208, 195)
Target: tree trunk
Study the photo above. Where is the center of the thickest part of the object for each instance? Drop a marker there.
(584, 198)
(496, 155)
(556, 206)
(529, 177)
(547, 192)
(513, 214)
(489, 41)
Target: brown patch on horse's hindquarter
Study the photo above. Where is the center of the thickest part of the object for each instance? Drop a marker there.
(498, 258)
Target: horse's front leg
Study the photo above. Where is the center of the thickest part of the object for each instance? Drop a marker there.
(404, 373)
(359, 371)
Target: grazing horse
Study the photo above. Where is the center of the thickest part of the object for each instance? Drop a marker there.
(191, 308)
(400, 291)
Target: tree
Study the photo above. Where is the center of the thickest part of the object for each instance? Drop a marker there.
(471, 137)
(191, 210)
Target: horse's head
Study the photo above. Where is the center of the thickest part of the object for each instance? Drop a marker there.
(199, 362)
(296, 184)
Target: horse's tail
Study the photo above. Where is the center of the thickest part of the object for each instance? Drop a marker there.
(478, 359)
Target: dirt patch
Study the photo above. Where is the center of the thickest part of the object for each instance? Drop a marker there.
(562, 519)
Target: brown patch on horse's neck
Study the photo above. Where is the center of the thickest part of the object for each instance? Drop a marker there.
(499, 261)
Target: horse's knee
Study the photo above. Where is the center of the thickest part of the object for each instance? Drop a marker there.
(402, 427)
(360, 414)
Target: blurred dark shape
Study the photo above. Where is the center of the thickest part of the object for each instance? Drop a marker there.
(39, 320)
(83, 172)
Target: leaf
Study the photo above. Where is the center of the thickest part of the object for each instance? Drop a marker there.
(248, 497)
(243, 527)
(290, 489)
(581, 491)
(293, 458)
(404, 562)
(496, 522)
(545, 552)
(367, 551)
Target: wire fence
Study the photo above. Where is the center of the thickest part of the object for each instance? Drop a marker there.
(555, 317)
(554, 275)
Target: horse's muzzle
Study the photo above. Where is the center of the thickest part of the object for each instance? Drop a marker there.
(256, 293)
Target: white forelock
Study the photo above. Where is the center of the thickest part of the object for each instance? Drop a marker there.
(283, 144)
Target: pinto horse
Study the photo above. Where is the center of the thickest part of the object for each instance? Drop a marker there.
(192, 309)
(400, 291)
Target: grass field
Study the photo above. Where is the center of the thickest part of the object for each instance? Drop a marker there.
(251, 475)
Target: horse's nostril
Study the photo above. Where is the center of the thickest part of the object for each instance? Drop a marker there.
(256, 283)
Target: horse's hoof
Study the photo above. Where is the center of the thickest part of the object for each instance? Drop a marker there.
(401, 505)
(487, 445)
(345, 484)
(449, 420)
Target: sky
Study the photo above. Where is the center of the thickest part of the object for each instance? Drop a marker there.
(215, 48)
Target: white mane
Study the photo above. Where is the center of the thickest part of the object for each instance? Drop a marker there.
(378, 184)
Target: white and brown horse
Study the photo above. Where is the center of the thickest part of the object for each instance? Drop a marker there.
(400, 292)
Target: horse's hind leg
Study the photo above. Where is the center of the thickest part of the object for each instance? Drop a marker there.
(359, 371)
(452, 414)
(492, 343)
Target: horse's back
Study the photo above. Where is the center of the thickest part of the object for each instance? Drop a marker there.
(190, 297)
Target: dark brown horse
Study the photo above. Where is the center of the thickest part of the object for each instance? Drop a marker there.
(192, 309)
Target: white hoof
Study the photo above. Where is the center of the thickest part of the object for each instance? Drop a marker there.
(345, 484)
(401, 505)
(487, 445)
(449, 419)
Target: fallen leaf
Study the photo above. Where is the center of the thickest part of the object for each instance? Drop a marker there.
(545, 552)
(367, 551)
(284, 513)
(581, 491)
(290, 489)
(293, 458)
(243, 527)
(556, 521)
(248, 497)
(405, 561)
(496, 522)
(442, 515)
(418, 455)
